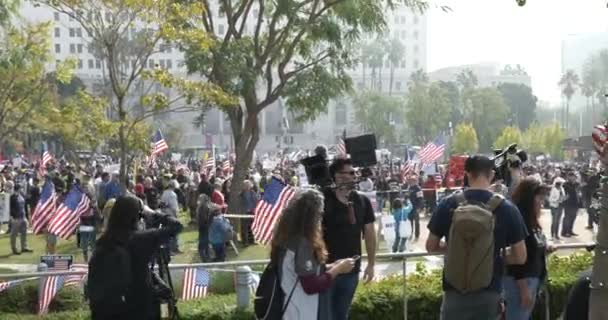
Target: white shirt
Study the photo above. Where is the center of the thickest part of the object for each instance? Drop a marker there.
(169, 198)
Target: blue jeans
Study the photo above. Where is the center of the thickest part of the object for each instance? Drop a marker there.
(342, 293)
(515, 311)
(220, 252)
(399, 244)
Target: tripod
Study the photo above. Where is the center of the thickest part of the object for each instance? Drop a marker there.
(166, 290)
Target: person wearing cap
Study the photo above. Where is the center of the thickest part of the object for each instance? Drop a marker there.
(571, 205)
(557, 196)
(509, 232)
(18, 218)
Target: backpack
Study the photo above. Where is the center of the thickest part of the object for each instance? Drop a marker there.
(269, 302)
(108, 280)
(469, 260)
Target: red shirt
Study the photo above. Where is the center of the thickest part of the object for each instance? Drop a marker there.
(218, 198)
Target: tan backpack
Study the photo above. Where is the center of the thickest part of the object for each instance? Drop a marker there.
(469, 261)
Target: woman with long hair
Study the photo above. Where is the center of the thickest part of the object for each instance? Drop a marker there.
(120, 283)
(522, 281)
(298, 249)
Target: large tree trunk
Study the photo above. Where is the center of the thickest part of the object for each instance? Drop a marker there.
(122, 140)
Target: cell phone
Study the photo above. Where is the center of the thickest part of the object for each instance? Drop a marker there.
(357, 257)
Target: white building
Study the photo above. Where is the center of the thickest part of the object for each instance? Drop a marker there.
(70, 40)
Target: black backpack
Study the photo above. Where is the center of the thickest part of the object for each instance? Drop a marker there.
(269, 302)
(108, 281)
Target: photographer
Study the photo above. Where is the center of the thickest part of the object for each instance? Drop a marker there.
(120, 283)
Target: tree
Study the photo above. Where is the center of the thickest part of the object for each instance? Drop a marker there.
(8, 8)
(533, 139)
(427, 112)
(296, 50)
(453, 95)
(395, 55)
(568, 83)
(418, 77)
(110, 25)
(375, 112)
(376, 60)
(521, 102)
(554, 137)
(467, 79)
(25, 90)
(487, 112)
(508, 136)
(465, 139)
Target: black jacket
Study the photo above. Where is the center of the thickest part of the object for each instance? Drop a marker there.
(571, 190)
(535, 266)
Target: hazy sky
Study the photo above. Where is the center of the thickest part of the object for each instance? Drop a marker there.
(501, 31)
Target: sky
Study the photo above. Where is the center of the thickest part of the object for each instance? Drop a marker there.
(501, 31)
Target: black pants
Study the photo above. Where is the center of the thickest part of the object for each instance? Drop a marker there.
(415, 221)
(246, 234)
(569, 218)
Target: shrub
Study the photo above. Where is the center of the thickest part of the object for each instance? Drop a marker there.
(380, 300)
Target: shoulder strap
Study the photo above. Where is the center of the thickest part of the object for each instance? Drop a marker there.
(286, 304)
(495, 201)
(460, 198)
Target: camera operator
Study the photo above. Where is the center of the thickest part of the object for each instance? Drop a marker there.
(120, 283)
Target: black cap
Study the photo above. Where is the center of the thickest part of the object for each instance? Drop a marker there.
(478, 163)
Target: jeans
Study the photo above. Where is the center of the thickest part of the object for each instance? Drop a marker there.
(220, 252)
(399, 244)
(203, 243)
(515, 311)
(342, 293)
(381, 201)
(415, 221)
(483, 305)
(18, 227)
(569, 217)
(556, 216)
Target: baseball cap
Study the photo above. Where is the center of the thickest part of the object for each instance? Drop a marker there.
(478, 163)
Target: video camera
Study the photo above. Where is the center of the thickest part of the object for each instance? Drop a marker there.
(507, 159)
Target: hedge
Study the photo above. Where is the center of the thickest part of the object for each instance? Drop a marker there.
(382, 299)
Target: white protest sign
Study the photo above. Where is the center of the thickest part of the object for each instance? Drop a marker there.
(176, 156)
(388, 229)
(4, 207)
(302, 176)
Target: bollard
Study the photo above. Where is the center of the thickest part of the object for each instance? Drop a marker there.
(42, 267)
(243, 291)
(404, 288)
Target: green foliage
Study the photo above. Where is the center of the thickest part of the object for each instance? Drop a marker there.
(533, 139)
(374, 112)
(427, 110)
(521, 102)
(554, 136)
(508, 136)
(486, 110)
(378, 300)
(465, 140)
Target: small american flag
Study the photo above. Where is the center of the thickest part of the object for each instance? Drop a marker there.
(159, 143)
(45, 207)
(432, 151)
(76, 279)
(226, 165)
(46, 158)
(67, 217)
(341, 148)
(9, 284)
(269, 208)
(209, 164)
(196, 283)
(50, 287)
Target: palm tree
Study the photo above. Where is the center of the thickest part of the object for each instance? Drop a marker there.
(365, 60)
(395, 54)
(377, 53)
(418, 77)
(568, 83)
(467, 79)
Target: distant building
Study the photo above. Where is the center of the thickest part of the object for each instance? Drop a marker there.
(489, 74)
(278, 127)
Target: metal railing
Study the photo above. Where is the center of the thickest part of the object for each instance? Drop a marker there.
(244, 272)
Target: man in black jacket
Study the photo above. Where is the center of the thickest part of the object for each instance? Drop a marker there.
(571, 205)
(18, 220)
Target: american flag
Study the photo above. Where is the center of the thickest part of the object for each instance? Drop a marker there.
(50, 287)
(76, 279)
(196, 282)
(67, 217)
(269, 208)
(432, 151)
(341, 148)
(209, 163)
(226, 165)
(46, 158)
(159, 143)
(58, 265)
(9, 284)
(45, 207)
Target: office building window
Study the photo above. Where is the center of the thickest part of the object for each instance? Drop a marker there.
(398, 86)
(403, 19)
(415, 20)
(416, 64)
(151, 63)
(89, 48)
(97, 64)
(57, 48)
(220, 29)
(57, 62)
(79, 32)
(416, 35)
(169, 64)
(91, 64)
(79, 48)
(72, 33)
(402, 63)
(396, 19)
(57, 32)
(79, 63)
(56, 15)
(416, 49)
(72, 48)
(403, 34)
(162, 63)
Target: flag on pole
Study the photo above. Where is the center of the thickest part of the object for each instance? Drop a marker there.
(45, 160)
(432, 151)
(10, 284)
(226, 165)
(209, 164)
(269, 208)
(50, 287)
(76, 279)
(196, 282)
(45, 207)
(159, 143)
(67, 217)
